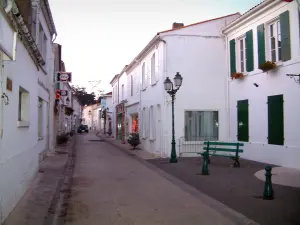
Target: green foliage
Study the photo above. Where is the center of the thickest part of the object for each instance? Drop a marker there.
(83, 97)
(134, 139)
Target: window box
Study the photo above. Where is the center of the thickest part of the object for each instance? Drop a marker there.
(238, 76)
(267, 66)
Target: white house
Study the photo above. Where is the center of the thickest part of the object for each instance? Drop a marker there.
(25, 104)
(105, 120)
(91, 116)
(197, 51)
(264, 106)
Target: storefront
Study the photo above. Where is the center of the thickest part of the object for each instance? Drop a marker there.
(120, 128)
(133, 116)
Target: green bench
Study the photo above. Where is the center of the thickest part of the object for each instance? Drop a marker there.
(214, 148)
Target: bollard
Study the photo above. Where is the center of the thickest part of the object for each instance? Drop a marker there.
(205, 163)
(268, 191)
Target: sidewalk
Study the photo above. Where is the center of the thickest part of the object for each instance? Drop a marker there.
(39, 202)
(137, 152)
(242, 188)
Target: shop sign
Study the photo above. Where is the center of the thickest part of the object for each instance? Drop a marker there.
(64, 76)
(120, 108)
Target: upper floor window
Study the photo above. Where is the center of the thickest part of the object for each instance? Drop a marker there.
(242, 54)
(122, 91)
(153, 77)
(42, 42)
(131, 85)
(275, 41)
(143, 75)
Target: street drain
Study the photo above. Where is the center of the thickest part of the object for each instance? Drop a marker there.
(97, 140)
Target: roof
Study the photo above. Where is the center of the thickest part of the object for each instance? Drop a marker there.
(157, 38)
(114, 78)
(50, 17)
(194, 24)
(251, 11)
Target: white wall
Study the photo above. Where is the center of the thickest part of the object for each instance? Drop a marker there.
(20, 148)
(271, 83)
(198, 53)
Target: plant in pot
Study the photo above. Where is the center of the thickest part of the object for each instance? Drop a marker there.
(134, 140)
(238, 76)
(267, 66)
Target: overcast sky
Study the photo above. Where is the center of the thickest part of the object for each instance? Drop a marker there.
(99, 37)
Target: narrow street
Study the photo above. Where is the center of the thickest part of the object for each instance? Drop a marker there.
(111, 187)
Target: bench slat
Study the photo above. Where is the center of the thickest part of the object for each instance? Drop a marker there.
(222, 149)
(224, 143)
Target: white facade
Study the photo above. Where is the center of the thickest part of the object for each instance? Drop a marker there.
(271, 83)
(91, 116)
(25, 119)
(197, 52)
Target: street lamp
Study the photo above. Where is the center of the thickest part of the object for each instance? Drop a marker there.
(67, 100)
(169, 87)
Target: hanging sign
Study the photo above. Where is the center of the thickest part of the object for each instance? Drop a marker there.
(63, 93)
(64, 76)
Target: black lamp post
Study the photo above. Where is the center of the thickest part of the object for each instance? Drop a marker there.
(169, 87)
(67, 100)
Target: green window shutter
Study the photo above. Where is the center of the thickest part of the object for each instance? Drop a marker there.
(275, 120)
(57, 86)
(249, 51)
(243, 120)
(261, 44)
(285, 36)
(232, 57)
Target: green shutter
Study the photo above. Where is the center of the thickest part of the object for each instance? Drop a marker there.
(249, 51)
(285, 36)
(243, 120)
(261, 44)
(232, 57)
(57, 86)
(275, 120)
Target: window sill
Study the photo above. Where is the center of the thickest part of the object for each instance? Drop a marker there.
(40, 138)
(22, 124)
(152, 139)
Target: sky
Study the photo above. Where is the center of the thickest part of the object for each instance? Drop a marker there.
(100, 37)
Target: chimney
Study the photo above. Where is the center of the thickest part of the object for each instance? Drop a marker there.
(177, 25)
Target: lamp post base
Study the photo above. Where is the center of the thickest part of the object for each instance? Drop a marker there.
(173, 160)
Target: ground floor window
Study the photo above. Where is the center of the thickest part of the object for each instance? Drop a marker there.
(135, 123)
(201, 125)
(275, 120)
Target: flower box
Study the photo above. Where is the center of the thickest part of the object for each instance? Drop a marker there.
(267, 66)
(238, 76)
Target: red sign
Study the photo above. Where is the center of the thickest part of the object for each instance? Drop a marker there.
(57, 94)
(287, 0)
(64, 76)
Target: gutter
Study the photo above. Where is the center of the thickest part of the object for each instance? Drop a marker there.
(264, 6)
(53, 29)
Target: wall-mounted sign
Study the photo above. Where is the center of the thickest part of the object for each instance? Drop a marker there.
(64, 76)
(63, 93)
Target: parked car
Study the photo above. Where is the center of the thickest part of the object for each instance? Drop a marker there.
(83, 128)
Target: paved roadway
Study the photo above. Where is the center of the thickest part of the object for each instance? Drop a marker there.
(112, 188)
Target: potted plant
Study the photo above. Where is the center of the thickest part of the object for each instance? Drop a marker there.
(267, 66)
(238, 76)
(134, 139)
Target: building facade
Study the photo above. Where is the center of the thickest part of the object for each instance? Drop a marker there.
(264, 103)
(197, 51)
(26, 95)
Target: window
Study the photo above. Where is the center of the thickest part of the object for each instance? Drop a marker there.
(275, 120)
(42, 43)
(144, 123)
(242, 54)
(23, 107)
(122, 92)
(152, 123)
(201, 125)
(143, 75)
(153, 76)
(275, 41)
(242, 121)
(131, 85)
(40, 117)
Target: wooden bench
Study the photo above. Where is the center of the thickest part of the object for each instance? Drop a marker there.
(224, 147)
